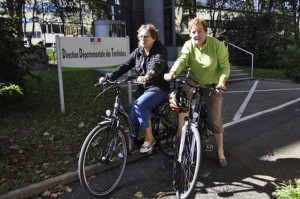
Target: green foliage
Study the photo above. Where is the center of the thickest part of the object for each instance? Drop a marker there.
(181, 38)
(9, 89)
(291, 62)
(13, 67)
(266, 35)
(287, 190)
(51, 53)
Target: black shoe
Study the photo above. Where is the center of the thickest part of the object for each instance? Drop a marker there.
(222, 163)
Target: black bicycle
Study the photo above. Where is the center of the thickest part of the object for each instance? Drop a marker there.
(192, 140)
(104, 153)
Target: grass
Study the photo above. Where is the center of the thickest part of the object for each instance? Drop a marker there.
(37, 140)
(266, 73)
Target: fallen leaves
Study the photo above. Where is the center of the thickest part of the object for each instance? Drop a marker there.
(81, 125)
(161, 194)
(138, 194)
(57, 191)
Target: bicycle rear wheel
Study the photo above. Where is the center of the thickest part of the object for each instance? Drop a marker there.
(167, 131)
(102, 160)
(185, 172)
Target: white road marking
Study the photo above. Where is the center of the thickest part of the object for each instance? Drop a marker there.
(241, 110)
(268, 90)
(260, 113)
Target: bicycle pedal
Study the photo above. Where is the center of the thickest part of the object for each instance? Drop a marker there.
(208, 133)
(209, 147)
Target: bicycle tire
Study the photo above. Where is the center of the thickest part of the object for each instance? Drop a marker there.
(167, 131)
(102, 160)
(185, 173)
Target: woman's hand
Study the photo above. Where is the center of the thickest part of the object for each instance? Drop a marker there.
(170, 76)
(142, 79)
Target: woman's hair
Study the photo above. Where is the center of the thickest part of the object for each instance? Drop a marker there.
(152, 30)
(198, 20)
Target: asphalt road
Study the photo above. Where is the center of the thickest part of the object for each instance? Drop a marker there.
(262, 144)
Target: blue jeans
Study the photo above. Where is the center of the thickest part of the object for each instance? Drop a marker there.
(141, 107)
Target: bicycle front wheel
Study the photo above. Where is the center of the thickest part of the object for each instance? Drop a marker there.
(102, 160)
(185, 172)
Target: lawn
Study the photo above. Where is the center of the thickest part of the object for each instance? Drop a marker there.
(269, 73)
(37, 140)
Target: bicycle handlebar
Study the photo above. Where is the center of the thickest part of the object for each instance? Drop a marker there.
(179, 82)
(128, 79)
(114, 84)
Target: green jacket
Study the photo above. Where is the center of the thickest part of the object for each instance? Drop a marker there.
(207, 64)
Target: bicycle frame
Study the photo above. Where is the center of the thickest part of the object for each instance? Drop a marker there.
(190, 125)
(113, 117)
(118, 110)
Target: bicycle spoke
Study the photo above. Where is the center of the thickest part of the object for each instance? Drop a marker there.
(102, 160)
(186, 171)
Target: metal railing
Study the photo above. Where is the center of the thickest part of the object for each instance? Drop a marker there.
(252, 55)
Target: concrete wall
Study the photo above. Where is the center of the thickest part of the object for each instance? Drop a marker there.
(152, 11)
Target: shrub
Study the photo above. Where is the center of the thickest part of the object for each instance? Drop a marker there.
(291, 61)
(287, 190)
(15, 60)
(9, 89)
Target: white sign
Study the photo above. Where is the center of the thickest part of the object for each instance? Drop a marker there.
(89, 52)
(93, 52)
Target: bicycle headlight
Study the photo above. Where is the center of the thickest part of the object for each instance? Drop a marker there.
(108, 113)
(195, 116)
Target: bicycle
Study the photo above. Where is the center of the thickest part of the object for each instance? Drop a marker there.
(193, 138)
(103, 156)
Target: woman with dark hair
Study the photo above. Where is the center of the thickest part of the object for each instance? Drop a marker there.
(150, 62)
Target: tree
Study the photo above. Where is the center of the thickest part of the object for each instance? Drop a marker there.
(216, 8)
(15, 10)
(178, 15)
(295, 5)
(12, 66)
(265, 34)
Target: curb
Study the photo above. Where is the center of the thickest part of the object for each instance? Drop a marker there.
(64, 179)
(37, 188)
